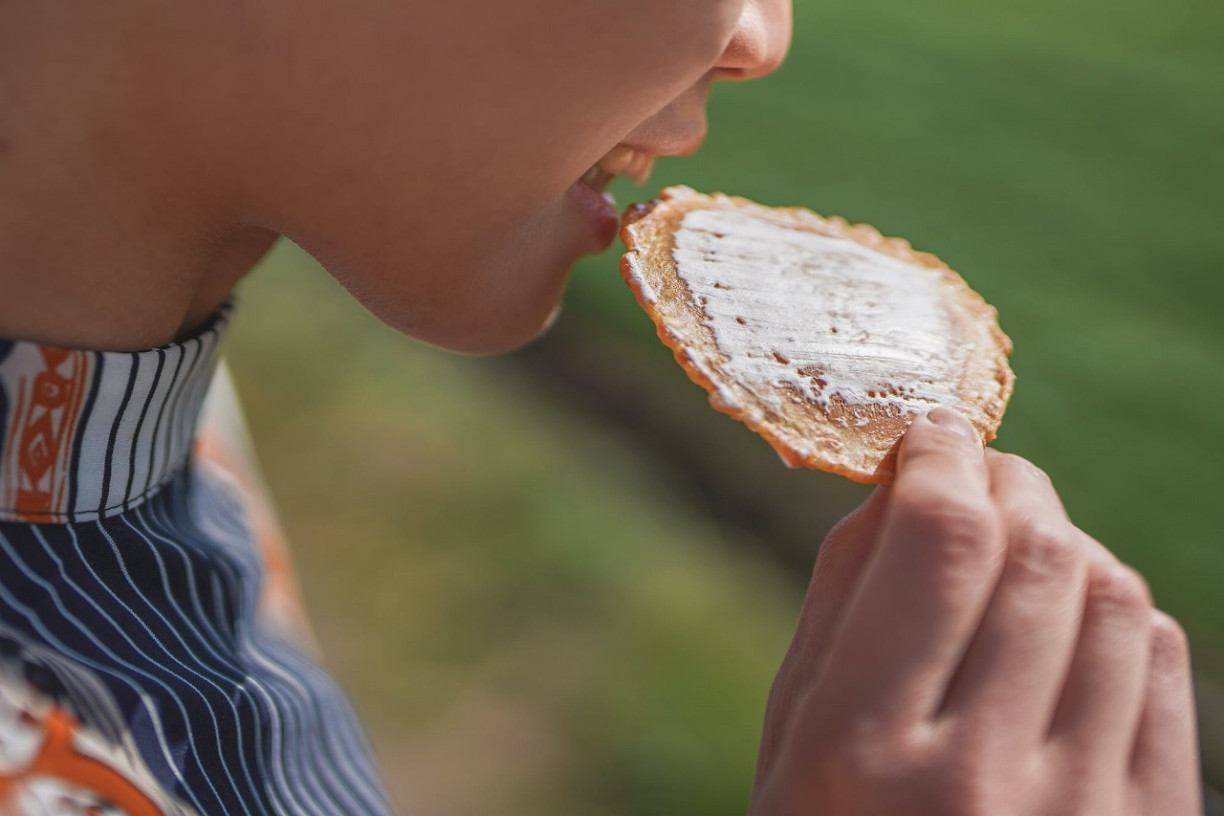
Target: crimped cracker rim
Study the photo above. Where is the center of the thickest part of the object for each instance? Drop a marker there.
(682, 200)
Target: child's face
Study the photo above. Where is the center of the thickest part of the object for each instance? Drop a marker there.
(439, 145)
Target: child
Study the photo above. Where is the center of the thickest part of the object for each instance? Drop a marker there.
(963, 648)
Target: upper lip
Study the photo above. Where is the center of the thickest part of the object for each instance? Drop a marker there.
(679, 144)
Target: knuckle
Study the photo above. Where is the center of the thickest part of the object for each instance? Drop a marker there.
(941, 515)
(952, 527)
(879, 754)
(1119, 591)
(1044, 551)
(958, 541)
(1170, 645)
(1021, 466)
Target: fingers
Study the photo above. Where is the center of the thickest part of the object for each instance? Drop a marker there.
(1102, 699)
(839, 566)
(1011, 677)
(1164, 763)
(928, 582)
(982, 637)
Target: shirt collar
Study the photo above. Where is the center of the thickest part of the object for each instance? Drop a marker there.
(88, 434)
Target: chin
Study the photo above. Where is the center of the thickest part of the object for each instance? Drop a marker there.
(479, 321)
(507, 302)
(494, 337)
(486, 298)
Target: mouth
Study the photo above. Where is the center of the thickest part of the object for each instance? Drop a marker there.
(620, 161)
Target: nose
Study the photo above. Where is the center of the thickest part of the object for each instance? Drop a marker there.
(760, 42)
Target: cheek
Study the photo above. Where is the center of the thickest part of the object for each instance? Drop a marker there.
(597, 89)
(551, 92)
(469, 98)
(419, 140)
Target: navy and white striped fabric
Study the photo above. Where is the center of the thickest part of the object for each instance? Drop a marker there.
(137, 672)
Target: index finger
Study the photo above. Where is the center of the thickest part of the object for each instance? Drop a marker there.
(929, 581)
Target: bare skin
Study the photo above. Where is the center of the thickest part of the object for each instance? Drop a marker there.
(424, 152)
(963, 649)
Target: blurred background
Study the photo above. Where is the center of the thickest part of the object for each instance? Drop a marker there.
(557, 583)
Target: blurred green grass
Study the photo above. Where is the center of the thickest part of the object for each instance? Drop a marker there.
(1066, 159)
(525, 622)
(526, 618)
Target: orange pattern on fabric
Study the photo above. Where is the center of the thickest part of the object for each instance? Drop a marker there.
(41, 434)
(58, 759)
(280, 600)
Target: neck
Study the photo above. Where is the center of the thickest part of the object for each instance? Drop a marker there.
(114, 233)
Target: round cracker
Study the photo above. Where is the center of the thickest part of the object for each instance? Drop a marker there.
(825, 338)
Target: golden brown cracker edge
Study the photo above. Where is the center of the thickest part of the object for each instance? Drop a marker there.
(657, 239)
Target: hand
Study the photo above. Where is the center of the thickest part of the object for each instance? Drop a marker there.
(964, 649)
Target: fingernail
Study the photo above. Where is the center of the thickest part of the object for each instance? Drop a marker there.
(950, 420)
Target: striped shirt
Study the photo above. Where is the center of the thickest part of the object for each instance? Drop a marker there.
(152, 655)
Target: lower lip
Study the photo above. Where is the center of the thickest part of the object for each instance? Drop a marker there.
(598, 211)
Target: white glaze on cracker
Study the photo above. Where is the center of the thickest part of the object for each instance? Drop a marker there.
(824, 337)
(823, 314)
